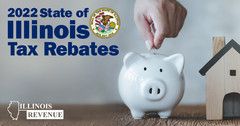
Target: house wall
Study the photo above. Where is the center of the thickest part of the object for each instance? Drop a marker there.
(215, 91)
(232, 84)
(232, 62)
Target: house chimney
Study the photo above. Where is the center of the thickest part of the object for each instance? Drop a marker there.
(218, 44)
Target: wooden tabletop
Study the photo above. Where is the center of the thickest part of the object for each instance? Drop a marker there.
(115, 115)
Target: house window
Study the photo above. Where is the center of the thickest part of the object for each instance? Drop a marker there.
(232, 72)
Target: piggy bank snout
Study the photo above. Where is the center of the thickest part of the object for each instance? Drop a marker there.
(153, 89)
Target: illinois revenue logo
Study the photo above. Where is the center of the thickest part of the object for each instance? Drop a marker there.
(34, 110)
(104, 22)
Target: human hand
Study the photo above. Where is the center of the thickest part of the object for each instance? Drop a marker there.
(166, 16)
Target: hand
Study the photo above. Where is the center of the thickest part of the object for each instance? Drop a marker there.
(166, 16)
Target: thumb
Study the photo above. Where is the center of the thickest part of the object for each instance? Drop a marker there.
(144, 28)
(161, 26)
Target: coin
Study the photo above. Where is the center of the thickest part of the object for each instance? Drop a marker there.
(154, 50)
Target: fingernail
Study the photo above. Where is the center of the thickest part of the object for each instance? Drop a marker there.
(148, 44)
(158, 46)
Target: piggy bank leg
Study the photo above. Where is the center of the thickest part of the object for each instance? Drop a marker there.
(165, 114)
(137, 114)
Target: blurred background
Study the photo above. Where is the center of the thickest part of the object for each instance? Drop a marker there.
(94, 79)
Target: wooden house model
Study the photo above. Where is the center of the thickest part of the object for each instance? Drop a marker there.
(223, 80)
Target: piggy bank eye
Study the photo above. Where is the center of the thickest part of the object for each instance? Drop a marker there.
(145, 68)
(160, 70)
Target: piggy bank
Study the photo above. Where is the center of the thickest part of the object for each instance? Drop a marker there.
(151, 83)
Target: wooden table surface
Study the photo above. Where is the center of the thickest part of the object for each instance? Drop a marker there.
(115, 115)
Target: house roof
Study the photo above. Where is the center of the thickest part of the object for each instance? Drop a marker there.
(226, 48)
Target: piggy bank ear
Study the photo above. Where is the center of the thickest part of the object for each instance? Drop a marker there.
(178, 61)
(130, 58)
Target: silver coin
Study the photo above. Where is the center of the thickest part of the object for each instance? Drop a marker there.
(154, 50)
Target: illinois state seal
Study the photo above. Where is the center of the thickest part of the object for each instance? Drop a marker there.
(104, 22)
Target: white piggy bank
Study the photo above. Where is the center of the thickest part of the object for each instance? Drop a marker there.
(151, 83)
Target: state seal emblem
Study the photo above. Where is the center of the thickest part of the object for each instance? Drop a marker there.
(104, 22)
